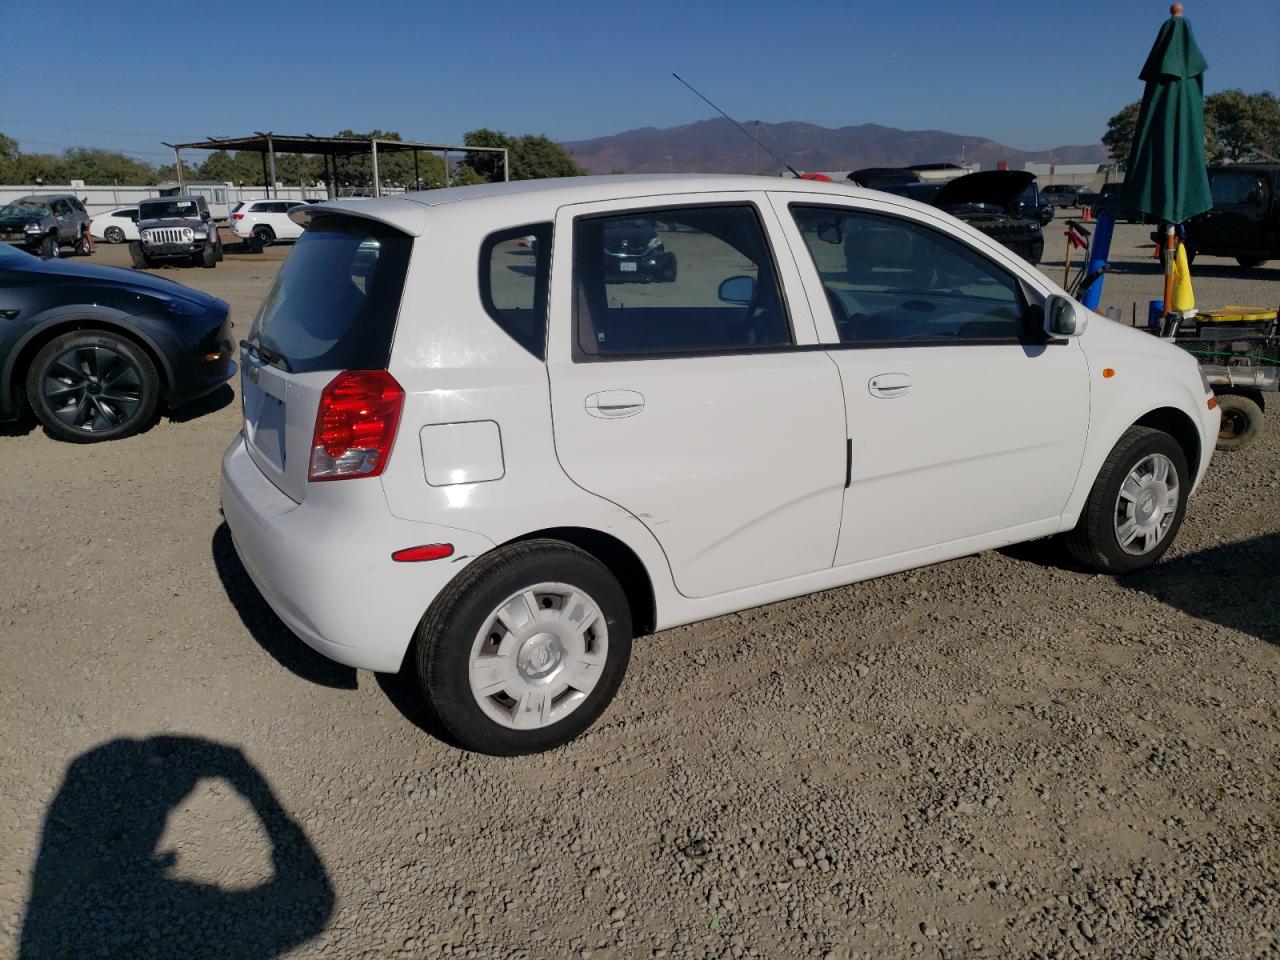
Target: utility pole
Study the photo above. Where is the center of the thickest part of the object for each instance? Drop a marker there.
(755, 151)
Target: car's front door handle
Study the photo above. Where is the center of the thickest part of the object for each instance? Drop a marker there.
(615, 404)
(888, 386)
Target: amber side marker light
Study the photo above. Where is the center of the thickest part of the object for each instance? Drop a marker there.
(1213, 403)
(1107, 373)
(432, 551)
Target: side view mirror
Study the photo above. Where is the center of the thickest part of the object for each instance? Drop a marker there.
(1064, 318)
(830, 233)
(740, 290)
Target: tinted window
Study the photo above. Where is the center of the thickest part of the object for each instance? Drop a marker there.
(514, 268)
(61, 208)
(651, 283)
(334, 303)
(1237, 187)
(888, 279)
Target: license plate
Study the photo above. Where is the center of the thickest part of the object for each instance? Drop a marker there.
(627, 266)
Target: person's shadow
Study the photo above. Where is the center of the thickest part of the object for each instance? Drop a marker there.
(101, 888)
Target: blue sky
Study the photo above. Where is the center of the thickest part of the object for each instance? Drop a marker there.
(1030, 74)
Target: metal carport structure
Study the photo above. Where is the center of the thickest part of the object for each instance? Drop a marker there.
(330, 148)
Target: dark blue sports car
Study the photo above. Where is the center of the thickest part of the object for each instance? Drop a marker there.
(94, 351)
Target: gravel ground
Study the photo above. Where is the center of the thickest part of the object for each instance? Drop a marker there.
(993, 757)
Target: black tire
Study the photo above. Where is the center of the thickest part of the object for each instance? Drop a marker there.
(1250, 262)
(209, 256)
(670, 270)
(218, 247)
(83, 246)
(138, 255)
(264, 235)
(1094, 542)
(49, 246)
(89, 385)
(1241, 421)
(113, 235)
(1191, 253)
(445, 637)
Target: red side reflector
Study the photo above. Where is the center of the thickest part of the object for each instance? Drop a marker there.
(1213, 403)
(432, 551)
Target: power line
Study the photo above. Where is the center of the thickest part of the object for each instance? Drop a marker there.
(119, 133)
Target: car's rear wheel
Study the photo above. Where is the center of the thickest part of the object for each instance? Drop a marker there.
(83, 247)
(113, 235)
(1250, 262)
(1241, 421)
(89, 385)
(1136, 505)
(525, 648)
(264, 235)
(49, 245)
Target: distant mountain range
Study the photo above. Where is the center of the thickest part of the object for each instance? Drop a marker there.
(716, 146)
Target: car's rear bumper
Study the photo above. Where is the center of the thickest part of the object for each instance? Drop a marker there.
(325, 567)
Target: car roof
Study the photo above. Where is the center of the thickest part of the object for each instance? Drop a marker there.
(1245, 167)
(408, 212)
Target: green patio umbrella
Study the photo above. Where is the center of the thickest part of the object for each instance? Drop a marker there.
(1165, 175)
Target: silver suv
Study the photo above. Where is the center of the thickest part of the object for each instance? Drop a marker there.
(44, 224)
(176, 228)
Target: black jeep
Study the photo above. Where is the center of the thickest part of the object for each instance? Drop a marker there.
(1245, 220)
(176, 228)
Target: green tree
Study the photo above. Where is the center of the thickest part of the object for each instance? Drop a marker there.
(532, 156)
(1120, 131)
(1238, 124)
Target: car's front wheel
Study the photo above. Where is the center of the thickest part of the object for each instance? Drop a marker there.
(49, 246)
(88, 385)
(525, 648)
(1250, 262)
(113, 235)
(1136, 505)
(83, 245)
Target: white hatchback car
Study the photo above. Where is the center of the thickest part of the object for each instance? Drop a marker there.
(117, 226)
(266, 220)
(479, 445)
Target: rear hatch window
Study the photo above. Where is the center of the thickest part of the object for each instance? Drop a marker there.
(333, 307)
(334, 304)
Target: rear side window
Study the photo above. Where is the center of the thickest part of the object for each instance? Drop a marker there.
(515, 266)
(334, 303)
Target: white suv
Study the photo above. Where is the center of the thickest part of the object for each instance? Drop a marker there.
(266, 220)
(477, 444)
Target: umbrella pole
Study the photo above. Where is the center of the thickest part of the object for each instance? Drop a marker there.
(1167, 258)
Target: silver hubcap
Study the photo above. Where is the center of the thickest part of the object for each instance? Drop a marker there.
(538, 656)
(1147, 504)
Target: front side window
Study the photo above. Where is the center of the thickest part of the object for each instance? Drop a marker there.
(515, 266)
(674, 281)
(889, 280)
(1237, 187)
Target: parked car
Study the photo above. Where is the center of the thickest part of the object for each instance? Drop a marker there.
(1245, 220)
(93, 351)
(266, 220)
(1063, 195)
(529, 464)
(46, 223)
(879, 178)
(1000, 203)
(1111, 200)
(634, 251)
(176, 228)
(117, 226)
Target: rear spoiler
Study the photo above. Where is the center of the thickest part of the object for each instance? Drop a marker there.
(403, 215)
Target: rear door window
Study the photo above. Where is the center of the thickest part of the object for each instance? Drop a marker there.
(335, 301)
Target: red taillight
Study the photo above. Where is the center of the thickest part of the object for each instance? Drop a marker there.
(237, 216)
(355, 425)
(431, 551)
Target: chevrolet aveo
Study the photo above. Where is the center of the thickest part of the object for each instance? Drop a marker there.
(475, 447)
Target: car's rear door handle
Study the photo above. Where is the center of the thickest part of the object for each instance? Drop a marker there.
(887, 386)
(614, 404)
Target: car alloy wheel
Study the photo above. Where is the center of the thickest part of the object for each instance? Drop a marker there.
(1146, 505)
(93, 389)
(538, 656)
(113, 235)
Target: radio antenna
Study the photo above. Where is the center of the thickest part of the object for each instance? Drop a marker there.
(738, 125)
